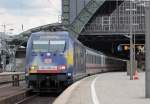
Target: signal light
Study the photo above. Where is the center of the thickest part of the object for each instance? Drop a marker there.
(126, 48)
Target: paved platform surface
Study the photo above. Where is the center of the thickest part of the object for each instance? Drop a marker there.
(107, 88)
(10, 94)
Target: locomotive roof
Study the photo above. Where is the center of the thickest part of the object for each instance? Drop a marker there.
(64, 33)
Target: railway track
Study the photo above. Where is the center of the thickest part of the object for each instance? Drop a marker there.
(44, 98)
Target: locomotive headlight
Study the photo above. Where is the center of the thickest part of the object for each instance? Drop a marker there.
(32, 67)
(48, 54)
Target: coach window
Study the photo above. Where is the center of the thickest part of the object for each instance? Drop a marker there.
(100, 59)
(86, 58)
(97, 60)
(90, 59)
(93, 59)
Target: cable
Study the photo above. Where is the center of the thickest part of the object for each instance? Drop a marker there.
(51, 2)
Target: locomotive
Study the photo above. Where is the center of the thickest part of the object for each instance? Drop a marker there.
(54, 60)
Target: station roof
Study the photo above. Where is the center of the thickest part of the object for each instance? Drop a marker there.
(23, 37)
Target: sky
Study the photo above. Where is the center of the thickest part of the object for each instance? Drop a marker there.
(30, 13)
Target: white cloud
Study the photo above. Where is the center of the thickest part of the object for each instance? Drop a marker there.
(31, 14)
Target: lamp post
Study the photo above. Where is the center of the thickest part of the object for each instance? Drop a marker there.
(131, 40)
(147, 46)
(146, 5)
(147, 56)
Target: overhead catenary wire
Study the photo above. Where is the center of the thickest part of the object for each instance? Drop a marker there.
(55, 7)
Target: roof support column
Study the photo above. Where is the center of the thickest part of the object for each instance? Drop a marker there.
(147, 41)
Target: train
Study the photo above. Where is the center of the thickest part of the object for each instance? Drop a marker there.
(56, 59)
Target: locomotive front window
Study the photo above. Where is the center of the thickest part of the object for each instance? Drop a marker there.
(40, 45)
(57, 45)
(48, 45)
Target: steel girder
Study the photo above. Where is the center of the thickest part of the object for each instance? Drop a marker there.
(65, 11)
(84, 16)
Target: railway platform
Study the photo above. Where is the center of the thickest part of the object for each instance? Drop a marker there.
(107, 88)
(10, 94)
(12, 87)
(7, 77)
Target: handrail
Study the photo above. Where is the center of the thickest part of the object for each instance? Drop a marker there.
(14, 75)
(11, 73)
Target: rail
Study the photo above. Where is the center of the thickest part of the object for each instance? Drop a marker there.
(15, 76)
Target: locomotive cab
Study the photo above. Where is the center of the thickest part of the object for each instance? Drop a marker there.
(48, 56)
(46, 66)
